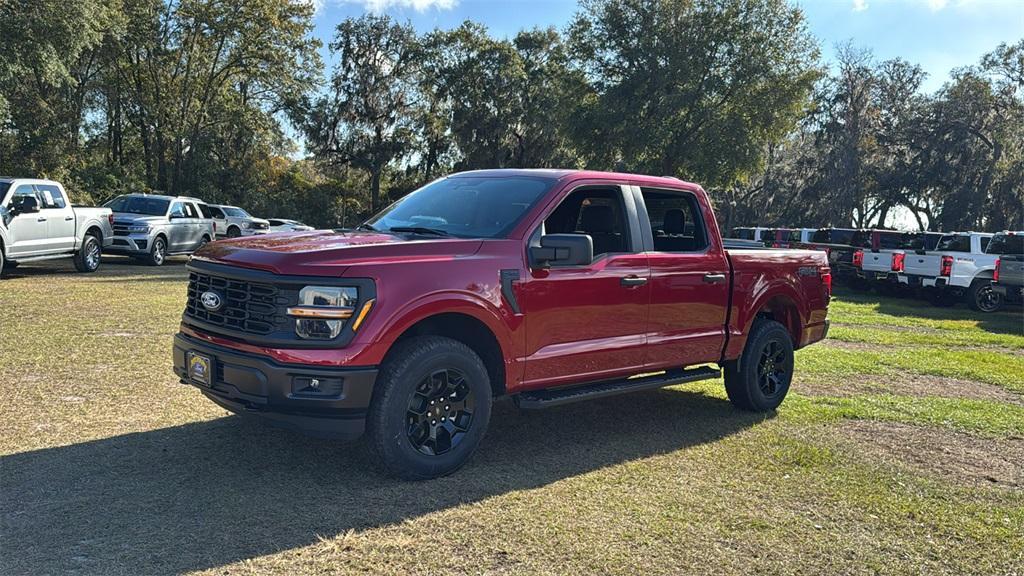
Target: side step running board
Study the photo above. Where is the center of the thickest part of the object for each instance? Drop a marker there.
(557, 397)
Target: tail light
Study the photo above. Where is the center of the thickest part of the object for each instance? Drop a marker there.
(110, 219)
(946, 267)
(858, 258)
(826, 279)
(897, 261)
(214, 227)
(776, 245)
(995, 275)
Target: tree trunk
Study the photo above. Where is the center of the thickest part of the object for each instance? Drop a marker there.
(375, 188)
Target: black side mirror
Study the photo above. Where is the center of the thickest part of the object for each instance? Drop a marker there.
(562, 250)
(27, 205)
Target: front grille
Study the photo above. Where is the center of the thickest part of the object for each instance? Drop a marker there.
(120, 229)
(248, 307)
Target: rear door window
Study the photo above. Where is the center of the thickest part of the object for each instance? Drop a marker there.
(675, 221)
(51, 196)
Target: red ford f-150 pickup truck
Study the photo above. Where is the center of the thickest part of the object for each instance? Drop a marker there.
(549, 286)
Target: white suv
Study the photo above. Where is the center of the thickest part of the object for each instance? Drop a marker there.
(233, 222)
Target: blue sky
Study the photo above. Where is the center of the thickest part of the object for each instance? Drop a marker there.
(937, 34)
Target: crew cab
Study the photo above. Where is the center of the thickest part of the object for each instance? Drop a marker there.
(549, 286)
(38, 222)
(958, 269)
(151, 227)
(1008, 276)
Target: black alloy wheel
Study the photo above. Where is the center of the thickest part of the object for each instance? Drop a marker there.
(440, 412)
(772, 368)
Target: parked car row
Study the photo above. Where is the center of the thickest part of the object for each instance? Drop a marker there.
(38, 222)
(982, 269)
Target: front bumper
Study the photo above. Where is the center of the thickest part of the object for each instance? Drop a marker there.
(246, 383)
(132, 244)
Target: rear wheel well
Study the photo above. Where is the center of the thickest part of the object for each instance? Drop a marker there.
(95, 231)
(472, 333)
(784, 311)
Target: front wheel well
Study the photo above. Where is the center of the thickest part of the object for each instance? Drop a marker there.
(472, 333)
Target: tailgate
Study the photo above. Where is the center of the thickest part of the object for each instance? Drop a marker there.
(877, 262)
(921, 264)
(1011, 270)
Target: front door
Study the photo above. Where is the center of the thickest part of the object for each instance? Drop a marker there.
(28, 231)
(587, 323)
(689, 283)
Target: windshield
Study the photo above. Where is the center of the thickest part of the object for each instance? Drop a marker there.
(465, 207)
(139, 205)
(236, 212)
(1006, 244)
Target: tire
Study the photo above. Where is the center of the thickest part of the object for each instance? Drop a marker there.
(415, 377)
(3, 263)
(157, 252)
(205, 240)
(769, 346)
(983, 298)
(234, 232)
(87, 259)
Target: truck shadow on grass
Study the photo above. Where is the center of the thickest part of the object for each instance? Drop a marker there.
(1009, 320)
(211, 493)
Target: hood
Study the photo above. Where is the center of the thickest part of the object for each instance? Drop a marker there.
(327, 253)
(129, 218)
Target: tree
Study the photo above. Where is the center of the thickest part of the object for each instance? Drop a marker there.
(366, 119)
(700, 92)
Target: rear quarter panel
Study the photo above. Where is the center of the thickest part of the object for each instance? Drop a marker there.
(767, 278)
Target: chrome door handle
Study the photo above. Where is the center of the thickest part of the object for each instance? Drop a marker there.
(40, 219)
(68, 218)
(630, 281)
(714, 278)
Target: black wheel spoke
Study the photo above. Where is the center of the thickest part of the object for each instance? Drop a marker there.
(440, 412)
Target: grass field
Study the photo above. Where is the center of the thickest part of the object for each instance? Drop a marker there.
(900, 450)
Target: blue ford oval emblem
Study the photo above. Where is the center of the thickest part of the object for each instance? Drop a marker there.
(211, 301)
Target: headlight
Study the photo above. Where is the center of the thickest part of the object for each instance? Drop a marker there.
(323, 310)
(248, 225)
(138, 229)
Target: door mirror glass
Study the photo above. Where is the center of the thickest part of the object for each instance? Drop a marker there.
(562, 250)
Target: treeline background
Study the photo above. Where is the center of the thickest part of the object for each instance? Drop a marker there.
(228, 100)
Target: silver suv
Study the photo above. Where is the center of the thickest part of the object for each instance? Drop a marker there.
(233, 222)
(151, 227)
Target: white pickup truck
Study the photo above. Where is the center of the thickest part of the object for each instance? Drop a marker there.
(38, 222)
(958, 268)
(885, 265)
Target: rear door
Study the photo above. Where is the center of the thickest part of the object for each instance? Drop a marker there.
(60, 217)
(586, 323)
(689, 280)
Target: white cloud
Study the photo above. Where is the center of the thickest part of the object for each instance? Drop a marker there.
(417, 5)
(860, 5)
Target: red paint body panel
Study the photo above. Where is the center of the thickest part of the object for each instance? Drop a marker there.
(575, 324)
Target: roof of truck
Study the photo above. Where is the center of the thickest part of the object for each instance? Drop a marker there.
(564, 174)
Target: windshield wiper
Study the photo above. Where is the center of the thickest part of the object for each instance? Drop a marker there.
(419, 230)
(365, 226)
